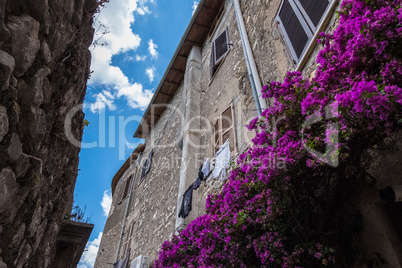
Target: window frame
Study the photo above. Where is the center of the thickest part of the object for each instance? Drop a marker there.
(145, 169)
(306, 24)
(128, 239)
(221, 133)
(216, 63)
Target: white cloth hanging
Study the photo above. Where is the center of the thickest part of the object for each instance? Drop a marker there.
(222, 159)
(205, 167)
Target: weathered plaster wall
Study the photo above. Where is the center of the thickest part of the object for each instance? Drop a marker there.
(44, 66)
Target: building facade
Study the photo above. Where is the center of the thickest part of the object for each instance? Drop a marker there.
(209, 92)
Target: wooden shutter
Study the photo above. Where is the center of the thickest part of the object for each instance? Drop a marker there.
(221, 46)
(217, 135)
(146, 165)
(149, 161)
(127, 187)
(298, 21)
(294, 28)
(212, 63)
(224, 129)
(120, 192)
(313, 11)
(128, 238)
(228, 128)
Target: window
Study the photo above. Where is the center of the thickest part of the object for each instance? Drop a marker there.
(128, 238)
(298, 21)
(224, 129)
(219, 49)
(124, 189)
(146, 165)
(127, 187)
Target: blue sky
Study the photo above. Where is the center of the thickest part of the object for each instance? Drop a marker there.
(127, 63)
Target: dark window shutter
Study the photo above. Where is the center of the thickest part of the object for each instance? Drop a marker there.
(127, 187)
(217, 136)
(144, 168)
(313, 11)
(120, 192)
(146, 165)
(212, 64)
(294, 28)
(149, 161)
(221, 46)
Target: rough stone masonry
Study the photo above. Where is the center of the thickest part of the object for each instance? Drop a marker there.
(44, 66)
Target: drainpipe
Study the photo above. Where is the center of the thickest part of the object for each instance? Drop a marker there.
(251, 67)
(126, 213)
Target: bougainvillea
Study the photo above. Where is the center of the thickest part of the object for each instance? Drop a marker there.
(277, 207)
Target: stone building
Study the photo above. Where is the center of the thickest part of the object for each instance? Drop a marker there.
(209, 92)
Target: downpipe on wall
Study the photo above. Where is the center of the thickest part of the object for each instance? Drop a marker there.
(251, 67)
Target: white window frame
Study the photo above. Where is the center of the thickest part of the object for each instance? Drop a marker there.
(307, 24)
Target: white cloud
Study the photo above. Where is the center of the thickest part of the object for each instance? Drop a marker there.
(143, 10)
(106, 202)
(89, 255)
(118, 16)
(136, 95)
(103, 100)
(140, 58)
(152, 49)
(195, 5)
(150, 72)
(135, 58)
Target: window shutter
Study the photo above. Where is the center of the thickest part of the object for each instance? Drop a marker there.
(127, 187)
(146, 165)
(224, 129)
(294, 28)
(212, 63)
(217, 136)
(228, 129)
(313, 11)
(128, 238)
(120, 192)
(221, 46)
(149, 161)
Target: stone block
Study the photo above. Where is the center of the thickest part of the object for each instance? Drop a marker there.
(8, 188)
(15, 149)
(4, 33)
(7, 64)
(37, 123)
(4, 127)
(19, 236)
(22, 166)
(24, 42)
(31, 94)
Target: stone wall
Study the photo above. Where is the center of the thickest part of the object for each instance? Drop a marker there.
(44, 66)
(152, 207)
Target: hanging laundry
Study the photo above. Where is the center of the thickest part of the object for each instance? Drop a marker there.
(222, 159)
(122, 263)
(197, 183)
(205, 167)
(186, 203)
